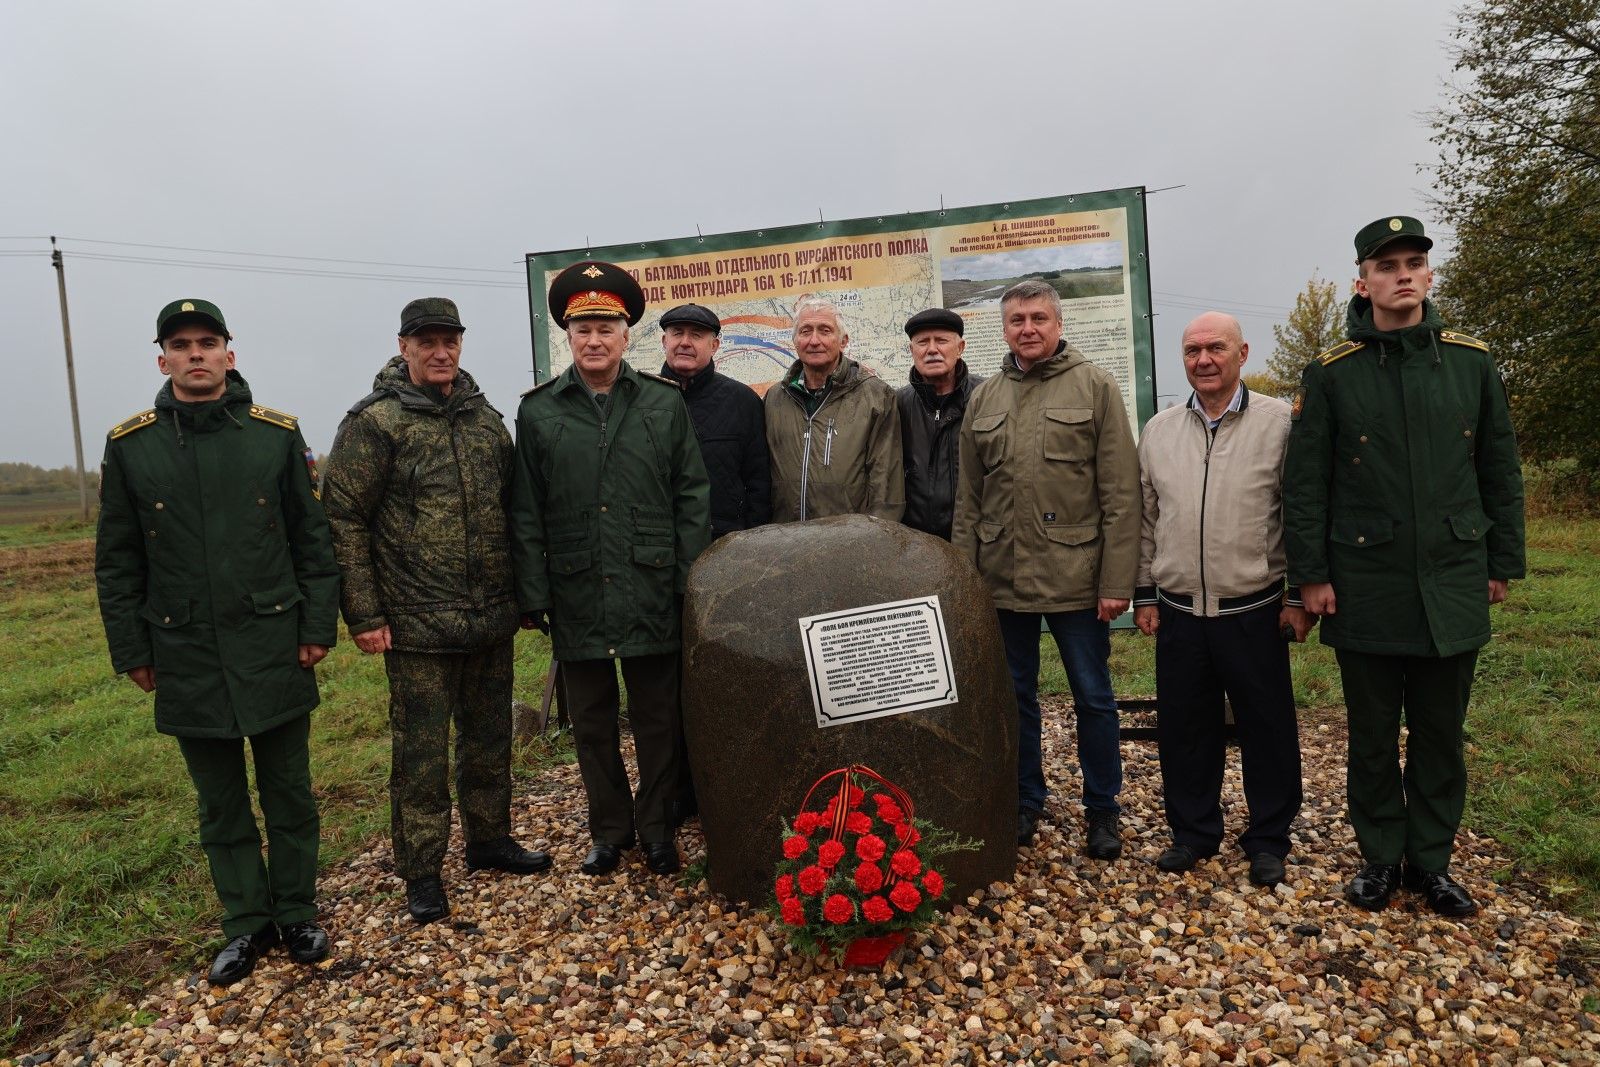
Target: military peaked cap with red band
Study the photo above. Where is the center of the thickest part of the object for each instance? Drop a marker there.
(595, 289)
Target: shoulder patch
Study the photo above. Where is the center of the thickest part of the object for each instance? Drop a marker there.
(1453, 338)
(1339, 351)
(548, 381)
(134, 422)
(659, 378)
(278, 418)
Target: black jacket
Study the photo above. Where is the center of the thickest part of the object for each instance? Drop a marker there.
(930, 431)
(729, 424)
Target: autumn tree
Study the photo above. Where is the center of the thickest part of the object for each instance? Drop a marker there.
(1519, 183)
(1315, 325)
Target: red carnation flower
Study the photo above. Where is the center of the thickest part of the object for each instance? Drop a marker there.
(870, 848)
(869, 878)
(833, 807)
(933, 882)
(829, 853)
(855, 796)
(858, 822)
(806, 822)
(905, 896)
(794, 913)
(888, 810)
(785, 887)
(905, 863)
(794, 846)
(876, 910)
(812, 879)
(838, 909)
(908, 834)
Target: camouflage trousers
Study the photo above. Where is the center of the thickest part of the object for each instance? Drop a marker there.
(427, 692)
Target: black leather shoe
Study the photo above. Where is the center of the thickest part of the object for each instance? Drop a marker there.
(662, 857)
(1027, 826)
(425, 899)
(1444, 894)
(1372, 888)
(602, 859)
(1266, 870)
(1105, 839)
(505, 855)
(238, 957)
(1177, 859)
(306, 942)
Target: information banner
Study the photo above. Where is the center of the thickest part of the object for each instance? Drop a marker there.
(880, 271)
(882, 659)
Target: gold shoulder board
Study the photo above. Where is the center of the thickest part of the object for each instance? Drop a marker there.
(277, 418)
(1339, 351)
(1453, 338)
(659, 378)
(134, 422)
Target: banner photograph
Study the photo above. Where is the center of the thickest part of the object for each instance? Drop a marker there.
(880, 271)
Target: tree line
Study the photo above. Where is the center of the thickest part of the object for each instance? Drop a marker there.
(20, 479)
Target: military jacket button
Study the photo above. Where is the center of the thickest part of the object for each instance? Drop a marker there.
(159, 505)
(166, 618)
(1363, 438)
(1361, 540)
(1356, 460)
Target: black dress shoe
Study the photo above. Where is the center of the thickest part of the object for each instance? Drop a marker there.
(506, 855)
(1444, 894)
(1177, 859)
(1372, 888)
(425, 899)
(662, 857)
(1027, 826)
(306, 942)
(1105, 837)
(602, 859)
(238, 957)
(1266, 870)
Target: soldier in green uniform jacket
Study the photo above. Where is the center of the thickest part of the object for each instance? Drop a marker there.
(1403, 522)
(219, 593)
(610, 505)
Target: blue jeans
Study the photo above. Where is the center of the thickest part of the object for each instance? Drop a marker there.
(1084, 643)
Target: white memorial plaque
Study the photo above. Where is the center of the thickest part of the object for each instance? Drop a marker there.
(882, 659)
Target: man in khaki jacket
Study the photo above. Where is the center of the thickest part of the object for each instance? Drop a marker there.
(1047, 507)
(833, 430)
(1211, 567)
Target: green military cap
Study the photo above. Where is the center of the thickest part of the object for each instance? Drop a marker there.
(190, 312)
(1374, 235)
(429, 311)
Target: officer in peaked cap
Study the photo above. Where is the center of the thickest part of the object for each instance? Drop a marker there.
(593, 289)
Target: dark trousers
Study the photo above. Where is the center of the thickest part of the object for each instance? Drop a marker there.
(594, 704)
(1411, 814)
(1084, 643)
(428, 691)
(256, 892)
(1198, 662)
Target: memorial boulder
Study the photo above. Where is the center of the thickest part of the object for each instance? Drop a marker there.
(812, 646)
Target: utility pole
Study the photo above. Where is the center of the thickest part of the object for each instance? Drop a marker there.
(72, 380)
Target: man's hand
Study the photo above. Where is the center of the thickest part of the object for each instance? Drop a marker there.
(143, 677)
(1497, 590)
(1110, 608)
(373, 641)
(311, 655)
(1318, 598)
(536, 620)
(1147, 617)
(1297, 619)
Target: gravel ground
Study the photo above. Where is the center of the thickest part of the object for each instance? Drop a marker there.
(1074, 961)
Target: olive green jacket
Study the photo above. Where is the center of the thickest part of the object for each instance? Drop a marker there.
(417, 489)
(1403, 488)
(845, 459)
(607, 515)
(1047, 501)
(213, 562)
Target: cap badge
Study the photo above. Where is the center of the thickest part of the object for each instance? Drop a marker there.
(187, 306)
(1395, 224)
(595, 272)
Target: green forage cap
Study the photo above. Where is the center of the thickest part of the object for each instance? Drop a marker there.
(189, 312)
(1374, 235)
(429, 311)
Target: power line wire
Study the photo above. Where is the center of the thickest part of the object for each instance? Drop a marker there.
(293, 271)
(311, 259)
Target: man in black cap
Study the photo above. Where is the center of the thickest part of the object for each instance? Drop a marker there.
(417, 487)
(1402, 502)
(219, 593)
(609, 507)
(931, 408)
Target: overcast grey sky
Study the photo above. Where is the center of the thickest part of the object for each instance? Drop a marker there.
(461, 137)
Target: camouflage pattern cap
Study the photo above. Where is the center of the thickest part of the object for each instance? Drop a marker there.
(1375, 235)
(189, 312)
(429, 311)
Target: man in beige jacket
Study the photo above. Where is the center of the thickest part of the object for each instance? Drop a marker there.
(1211, 567)
(1047, 507)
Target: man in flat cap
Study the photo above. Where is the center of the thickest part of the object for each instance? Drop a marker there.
(418, 482)
(931, 407)
(219, 593)
(1403, 521)
(832, 428)
(610, 506)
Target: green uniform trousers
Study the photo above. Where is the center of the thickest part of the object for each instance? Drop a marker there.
(1411, 815)
(594, 706)
(255, 892)
(427, 692)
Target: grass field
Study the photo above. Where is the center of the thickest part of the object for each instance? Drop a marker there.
(102, 887)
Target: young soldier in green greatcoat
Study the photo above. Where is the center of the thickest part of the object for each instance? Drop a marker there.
(219, 593)
(1402, 502)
